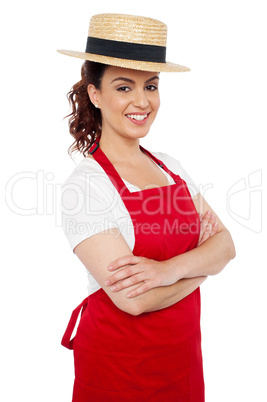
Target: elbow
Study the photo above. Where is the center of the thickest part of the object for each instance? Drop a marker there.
(131, 306)
(231, 252)
(232, 248)
(135, 311)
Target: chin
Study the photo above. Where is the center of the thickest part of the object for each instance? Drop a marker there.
(138, 135)
(139, 132)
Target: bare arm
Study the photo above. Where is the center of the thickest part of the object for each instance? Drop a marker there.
(97, 252)
(211, 256)
(207, 259)
(165, 296)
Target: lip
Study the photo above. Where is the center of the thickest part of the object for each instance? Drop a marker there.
(138, 122)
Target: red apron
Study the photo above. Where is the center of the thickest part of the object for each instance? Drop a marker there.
(155, 356)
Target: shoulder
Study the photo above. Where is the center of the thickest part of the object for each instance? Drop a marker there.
(88, 184)
(86, 167)
(88, 174)
(88, 202)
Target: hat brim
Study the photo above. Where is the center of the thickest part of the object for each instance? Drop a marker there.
(132, 64)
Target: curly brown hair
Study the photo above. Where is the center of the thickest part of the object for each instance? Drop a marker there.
(85, 122)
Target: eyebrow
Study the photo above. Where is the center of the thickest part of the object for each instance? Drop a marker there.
(132, 81)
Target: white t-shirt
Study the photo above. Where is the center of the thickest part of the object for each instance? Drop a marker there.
(91, 203)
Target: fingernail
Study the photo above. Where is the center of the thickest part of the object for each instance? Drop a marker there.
(129, 295)
(107, 282)
(110, 267)
(113, 287)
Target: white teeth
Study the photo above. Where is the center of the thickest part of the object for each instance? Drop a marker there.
(138, 117)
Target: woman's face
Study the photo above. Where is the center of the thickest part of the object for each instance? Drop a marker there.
(128, 100)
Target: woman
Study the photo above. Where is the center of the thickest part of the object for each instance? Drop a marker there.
(130, 218)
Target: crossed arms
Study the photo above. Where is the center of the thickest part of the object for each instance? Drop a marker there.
(137, 284)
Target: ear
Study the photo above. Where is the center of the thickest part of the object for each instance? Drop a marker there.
(93, 94)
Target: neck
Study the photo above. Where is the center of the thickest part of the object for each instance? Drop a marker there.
(120, 149)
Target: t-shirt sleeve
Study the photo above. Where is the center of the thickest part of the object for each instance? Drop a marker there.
(86, 208)
(176, 167)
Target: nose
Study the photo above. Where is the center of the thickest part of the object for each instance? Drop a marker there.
(140, 99)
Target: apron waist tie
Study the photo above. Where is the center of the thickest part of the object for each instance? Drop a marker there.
(67, 342)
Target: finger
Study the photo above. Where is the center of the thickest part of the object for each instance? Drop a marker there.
(209, 227)
(214, 229)
(203, 228)
(205, 237)
(133, 280)
(140, 289)
(208, 221)
(204, 220)
(210, 231)
(214, 225)
(207, 232)
(123, 261)
(207, 215)
(122, 274)
(212, 220)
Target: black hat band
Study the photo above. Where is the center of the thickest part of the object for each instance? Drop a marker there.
(126, 50)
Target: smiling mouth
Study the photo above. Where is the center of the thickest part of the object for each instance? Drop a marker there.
(137, 117)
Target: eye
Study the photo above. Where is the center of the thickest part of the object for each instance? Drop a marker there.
(151, 87)
(123, 89)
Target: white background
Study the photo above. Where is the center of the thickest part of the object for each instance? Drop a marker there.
(213, 119)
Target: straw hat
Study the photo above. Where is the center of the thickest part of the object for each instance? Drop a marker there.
(127, 41)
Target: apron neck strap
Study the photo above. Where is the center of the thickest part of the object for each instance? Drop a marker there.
(112, 173)
(105, 163)
(159, 163)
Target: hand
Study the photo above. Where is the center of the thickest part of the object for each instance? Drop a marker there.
(208, 227)
(140, 270)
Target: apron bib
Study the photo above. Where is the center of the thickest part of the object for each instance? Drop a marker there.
(155, 356)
